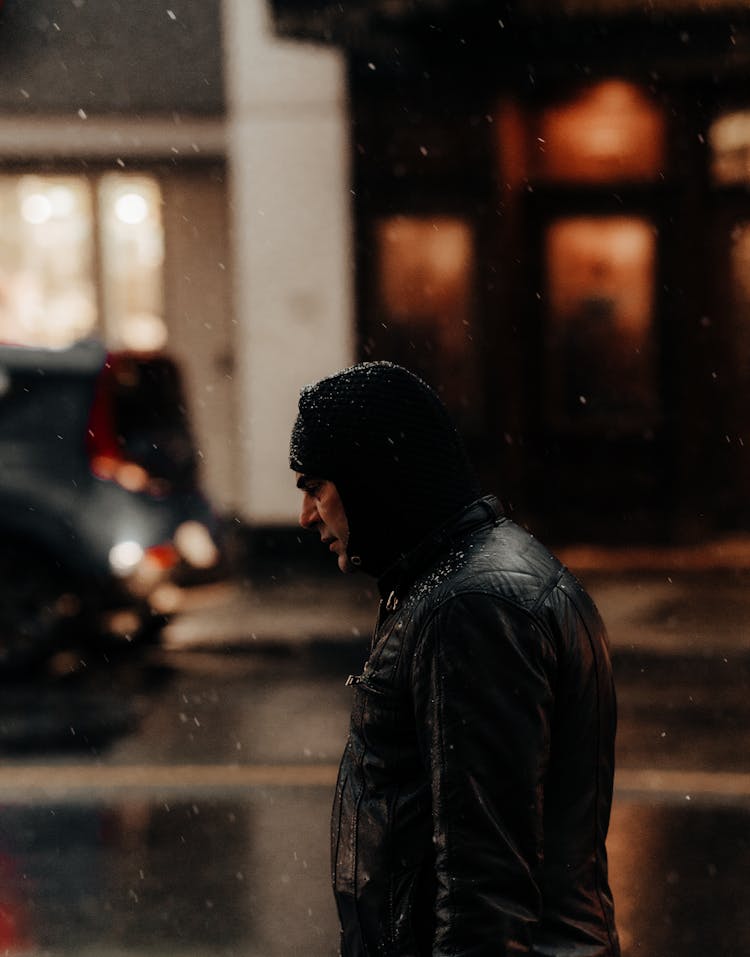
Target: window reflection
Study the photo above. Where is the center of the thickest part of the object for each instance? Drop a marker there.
(425, 281)
(600, 350)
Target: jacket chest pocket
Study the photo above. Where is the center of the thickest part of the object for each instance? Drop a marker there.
(384, 721)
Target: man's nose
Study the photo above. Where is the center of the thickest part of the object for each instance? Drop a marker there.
(308, 515)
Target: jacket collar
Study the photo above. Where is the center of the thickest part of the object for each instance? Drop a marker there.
(397, 579)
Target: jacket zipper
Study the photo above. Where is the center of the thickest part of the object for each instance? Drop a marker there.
(384, 609)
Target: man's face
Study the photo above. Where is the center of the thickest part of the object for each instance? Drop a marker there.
(323, 511)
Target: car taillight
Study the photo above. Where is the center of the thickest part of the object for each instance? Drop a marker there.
(105, 453)
(163, 557)
(101, 439)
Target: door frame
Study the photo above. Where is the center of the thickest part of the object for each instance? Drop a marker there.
(608, 484)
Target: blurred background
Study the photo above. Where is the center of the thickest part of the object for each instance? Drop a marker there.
(542, 206)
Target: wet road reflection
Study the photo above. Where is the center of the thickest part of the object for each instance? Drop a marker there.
(249, 878)
(678, 876)
(179, 806)
(189, 877)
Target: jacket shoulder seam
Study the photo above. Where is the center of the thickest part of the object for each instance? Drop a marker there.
(530, 612)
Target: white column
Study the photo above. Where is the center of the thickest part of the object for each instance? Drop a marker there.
(290, 198)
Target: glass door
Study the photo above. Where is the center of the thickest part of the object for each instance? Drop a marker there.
(600, 355)
(601, 465)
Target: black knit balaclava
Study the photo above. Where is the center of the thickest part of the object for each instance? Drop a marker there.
(385, 439)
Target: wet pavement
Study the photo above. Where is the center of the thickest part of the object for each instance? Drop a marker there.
(247, 877)
(175, 801)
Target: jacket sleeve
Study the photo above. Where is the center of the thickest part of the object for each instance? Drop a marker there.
(483, 675)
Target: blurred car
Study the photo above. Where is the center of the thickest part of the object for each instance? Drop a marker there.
(102, 517)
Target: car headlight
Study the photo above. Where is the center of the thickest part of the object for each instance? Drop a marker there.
(124, 558)
(142, 569)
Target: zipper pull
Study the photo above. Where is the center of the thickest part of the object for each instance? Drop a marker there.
(352, 680)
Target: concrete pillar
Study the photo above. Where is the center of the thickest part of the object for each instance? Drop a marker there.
(288, 152)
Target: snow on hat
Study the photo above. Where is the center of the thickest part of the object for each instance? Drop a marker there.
(385, 439)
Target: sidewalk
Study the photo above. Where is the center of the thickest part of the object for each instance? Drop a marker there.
(670, 601)
(263, 614)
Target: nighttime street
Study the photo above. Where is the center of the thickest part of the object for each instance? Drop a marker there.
(175, 800)
(289, 288)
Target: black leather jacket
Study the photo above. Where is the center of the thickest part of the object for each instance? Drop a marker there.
(474, 793)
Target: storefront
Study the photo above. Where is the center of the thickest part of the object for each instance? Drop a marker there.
(553, 228)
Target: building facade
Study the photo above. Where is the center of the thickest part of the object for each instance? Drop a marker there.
(175, 177)
(543, 208)
(552, 225)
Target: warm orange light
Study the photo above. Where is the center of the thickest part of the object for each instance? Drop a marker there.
(129, 475)
(612, 131)
(162, 557)
(425, 307)
(425, 264)
(104, 466)
(600, 346)
(607, 258)
(729, 138)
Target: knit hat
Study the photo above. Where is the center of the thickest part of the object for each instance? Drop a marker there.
(385, 439)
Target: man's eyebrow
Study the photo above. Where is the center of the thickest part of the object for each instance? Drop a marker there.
(305, 481)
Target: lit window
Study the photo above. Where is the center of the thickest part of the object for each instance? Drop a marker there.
(611, 132)
(53, 279)
(425, 310)
(47, 290)
(132, 259)
(599, 344)
(729, 139)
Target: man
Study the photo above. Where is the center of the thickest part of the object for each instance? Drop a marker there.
(474, 793)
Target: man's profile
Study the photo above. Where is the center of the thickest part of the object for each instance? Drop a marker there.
(474, 793)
